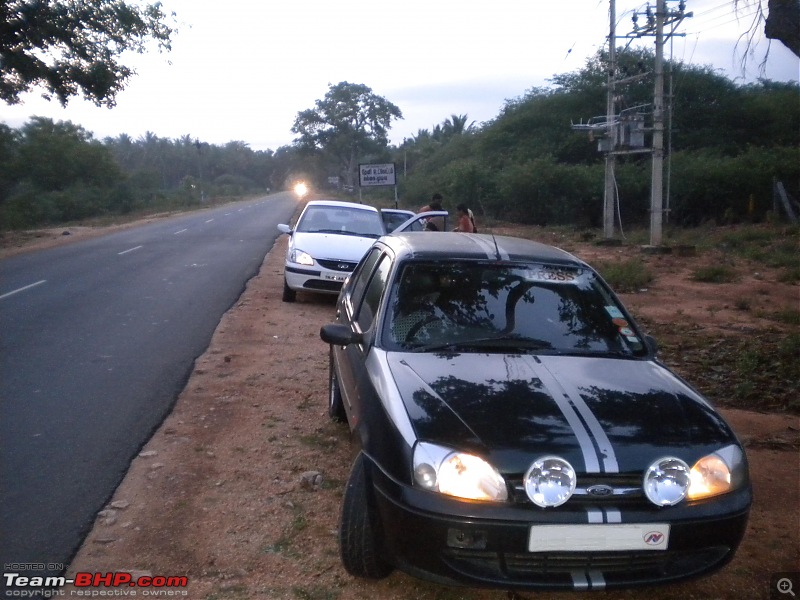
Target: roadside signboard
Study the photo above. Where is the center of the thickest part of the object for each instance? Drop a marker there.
(376, 175)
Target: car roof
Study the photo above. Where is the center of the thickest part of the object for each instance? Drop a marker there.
(471, 246)
(341, 204)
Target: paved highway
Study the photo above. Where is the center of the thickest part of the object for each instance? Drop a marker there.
(97, 339)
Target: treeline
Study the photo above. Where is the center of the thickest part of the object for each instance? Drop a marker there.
(55, 172)
(728, 144)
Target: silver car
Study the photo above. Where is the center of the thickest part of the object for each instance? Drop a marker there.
(328, 241)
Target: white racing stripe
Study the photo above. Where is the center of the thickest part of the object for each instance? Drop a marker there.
(606, 450)
(574, 407)
(563, 401)
(491, 249)
(588, 580)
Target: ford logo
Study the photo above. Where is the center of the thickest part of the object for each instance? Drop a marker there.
(600, 490)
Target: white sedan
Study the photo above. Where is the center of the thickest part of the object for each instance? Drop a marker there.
(327, 242)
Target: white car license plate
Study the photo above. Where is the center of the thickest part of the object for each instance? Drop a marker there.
(597, 538)
(335, 277)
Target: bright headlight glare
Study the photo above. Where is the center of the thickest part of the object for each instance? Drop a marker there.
(301, 258)
(457, 474)
(301, 189)
(666, 481)
(717, 473)
(550, 481)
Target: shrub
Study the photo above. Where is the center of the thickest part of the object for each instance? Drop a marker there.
(715, 274)
(626, 276)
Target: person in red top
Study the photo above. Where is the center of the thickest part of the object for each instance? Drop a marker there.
(466, 221)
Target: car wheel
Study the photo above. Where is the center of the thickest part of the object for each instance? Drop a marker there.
(335, 403)
(289, 295)
(359, 528)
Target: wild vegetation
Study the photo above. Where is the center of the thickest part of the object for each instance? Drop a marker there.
(729, 143)
(728, 146)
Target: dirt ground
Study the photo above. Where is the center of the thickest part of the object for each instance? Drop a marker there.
(239, 489)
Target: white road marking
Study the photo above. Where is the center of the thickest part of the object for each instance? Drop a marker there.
(209, 221)
(22, 289)
(129, 250)
(181, 231)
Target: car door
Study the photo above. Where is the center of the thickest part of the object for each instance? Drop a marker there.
(417, 222)
(362, 310)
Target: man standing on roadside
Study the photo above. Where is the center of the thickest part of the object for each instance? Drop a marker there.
(434, 223)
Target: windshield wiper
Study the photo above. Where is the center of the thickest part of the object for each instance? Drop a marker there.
(502, 342)
(596, 353)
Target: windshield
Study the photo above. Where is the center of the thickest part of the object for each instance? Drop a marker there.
(342, 220)
(506, 307)
(393, 220)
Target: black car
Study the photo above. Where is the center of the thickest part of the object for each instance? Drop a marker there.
(515, 428)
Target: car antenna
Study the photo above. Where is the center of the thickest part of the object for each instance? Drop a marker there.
(496, 248)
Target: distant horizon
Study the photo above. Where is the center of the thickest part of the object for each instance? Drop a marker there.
(230, 79)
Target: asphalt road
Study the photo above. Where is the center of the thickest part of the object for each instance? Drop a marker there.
(97, 340)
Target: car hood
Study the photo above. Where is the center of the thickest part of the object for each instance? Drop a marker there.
(600, 414)
(333, 246)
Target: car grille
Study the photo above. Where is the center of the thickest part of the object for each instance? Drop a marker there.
(322, 285)
(557, 568)
(342, 266)
(621, 490)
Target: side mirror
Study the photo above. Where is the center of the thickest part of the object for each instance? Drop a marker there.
(339, 335)
(284, 228)
(652, 344)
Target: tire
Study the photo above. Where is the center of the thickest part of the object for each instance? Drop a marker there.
(289, 295)
(359, 529)
(335, 402)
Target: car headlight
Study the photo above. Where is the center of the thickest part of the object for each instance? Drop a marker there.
(550, 481)
(300, 257)
(458, 474)
(666, 481)
(670, 480)
(717, 473)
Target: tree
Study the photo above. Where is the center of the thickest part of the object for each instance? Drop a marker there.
(782, 22)
(349, 122)
(69, 47)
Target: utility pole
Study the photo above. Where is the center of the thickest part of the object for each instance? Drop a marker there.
(624, 133)
(657, 180)
(609, 200)
(655, 26)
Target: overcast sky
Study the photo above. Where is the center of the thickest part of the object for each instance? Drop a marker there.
(242, 69)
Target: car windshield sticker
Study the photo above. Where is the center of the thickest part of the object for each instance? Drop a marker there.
(614, 312)
(551, 275)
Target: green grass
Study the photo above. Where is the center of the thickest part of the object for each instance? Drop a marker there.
(715, 274)
(627, 276)
(789, 317)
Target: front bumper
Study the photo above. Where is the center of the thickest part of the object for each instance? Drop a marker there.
(461, 543)
(315, 279)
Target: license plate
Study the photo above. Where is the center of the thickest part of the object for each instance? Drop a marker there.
(335, 277)
(597, 538)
